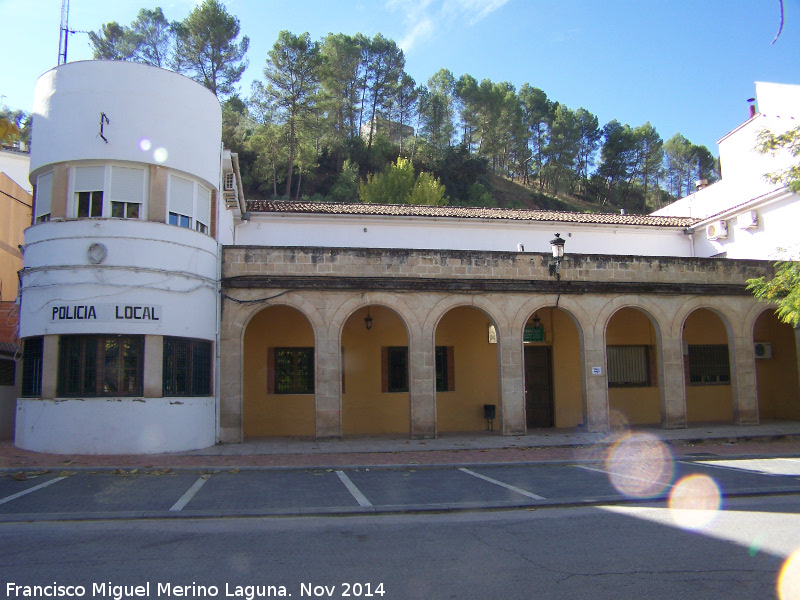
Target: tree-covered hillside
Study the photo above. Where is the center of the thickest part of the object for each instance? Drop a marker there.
(336, 119)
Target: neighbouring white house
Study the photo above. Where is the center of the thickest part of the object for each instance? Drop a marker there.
(160, 310)
(744, 215)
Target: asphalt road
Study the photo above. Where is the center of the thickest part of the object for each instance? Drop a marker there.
(597, 552)
(160, 493)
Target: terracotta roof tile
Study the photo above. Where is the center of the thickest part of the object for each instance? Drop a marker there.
(464, 212)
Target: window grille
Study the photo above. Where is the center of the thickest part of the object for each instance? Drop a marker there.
(294, 370)
(32, 367)
(397, 369)
(186, 367)
(628, 366)
(709, 364)
(94, 366)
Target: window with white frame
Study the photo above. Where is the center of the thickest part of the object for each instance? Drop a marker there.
(44, 197)
(88, 188)
(189, 204)
(127, 192)
(112, 191)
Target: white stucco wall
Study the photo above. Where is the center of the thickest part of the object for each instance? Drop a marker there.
(16, 165)
(155, 117)
(115, 425)
(347, 231)
(776, 235)
(146, 264)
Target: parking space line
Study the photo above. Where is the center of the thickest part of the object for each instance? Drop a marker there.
(351, 487)
(33, 489)
(585, 468)
(501, 484)
(190, 493)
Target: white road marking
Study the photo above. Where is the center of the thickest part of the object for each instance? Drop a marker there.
(501, 484)
(29, 490)
(351, 487)
(190, 493)
(585, 468)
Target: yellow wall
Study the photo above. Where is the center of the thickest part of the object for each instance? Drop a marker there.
(15, 216)
(778, 387)
(562, 333)
(466, 329)
(639, 406)
(706, 403)
(275, 414)
(365, 408)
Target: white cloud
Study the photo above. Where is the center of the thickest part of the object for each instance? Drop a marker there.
(421, 16)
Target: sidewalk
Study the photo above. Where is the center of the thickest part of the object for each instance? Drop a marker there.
(770, 439)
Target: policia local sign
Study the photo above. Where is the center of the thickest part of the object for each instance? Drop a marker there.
(105, 312)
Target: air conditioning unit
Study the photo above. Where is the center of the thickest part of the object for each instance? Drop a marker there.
(229, 183)
(762, 349)
(717, 230)
(747, 220)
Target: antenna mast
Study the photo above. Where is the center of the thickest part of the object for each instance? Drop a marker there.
(63, 33)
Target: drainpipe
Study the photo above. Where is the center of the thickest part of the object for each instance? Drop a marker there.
(690, 234)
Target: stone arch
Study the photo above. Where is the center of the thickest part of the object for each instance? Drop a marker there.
(365, 359)
(387, 300)
(775, 366)
(644, 404)
(283, 332)
(564, 355)
(709, 401)
(481, 302)
(236, 317)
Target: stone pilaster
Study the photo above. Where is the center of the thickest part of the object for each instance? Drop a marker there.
(512, 382)
(596, 386)
(673, 383)
(743, 381)
(422, 385)
(328, 387)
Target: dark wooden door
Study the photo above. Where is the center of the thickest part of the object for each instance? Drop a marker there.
(538, 387)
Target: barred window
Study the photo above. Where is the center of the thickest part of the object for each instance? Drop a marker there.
(100, 365)
(292, 371)
(8, 367)
(394, 369)
(32, 367)
(709, 364)
(628, 366)
(445, 369)
(186, 367)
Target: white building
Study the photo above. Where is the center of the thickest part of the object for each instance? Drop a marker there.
(162, 312)
(744, 215)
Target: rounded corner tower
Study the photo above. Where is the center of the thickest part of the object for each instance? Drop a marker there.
(120, 286)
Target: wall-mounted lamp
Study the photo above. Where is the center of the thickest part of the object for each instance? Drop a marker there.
(557, 246)
(537, 322)
(368, 320)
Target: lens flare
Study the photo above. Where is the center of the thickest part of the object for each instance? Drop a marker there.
(145, 144)
(639, 465)
(789, 578)
(160, 155)
(695, 501)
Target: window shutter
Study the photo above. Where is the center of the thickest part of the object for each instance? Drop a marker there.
(44, 194)
(343, 369)
(203, 205)
(127, 185)
(89, 179)
(270, 370)
(451, 369)
(384, 369)
(181, 195)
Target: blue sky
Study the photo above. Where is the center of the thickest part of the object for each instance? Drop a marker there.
(683, 65)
